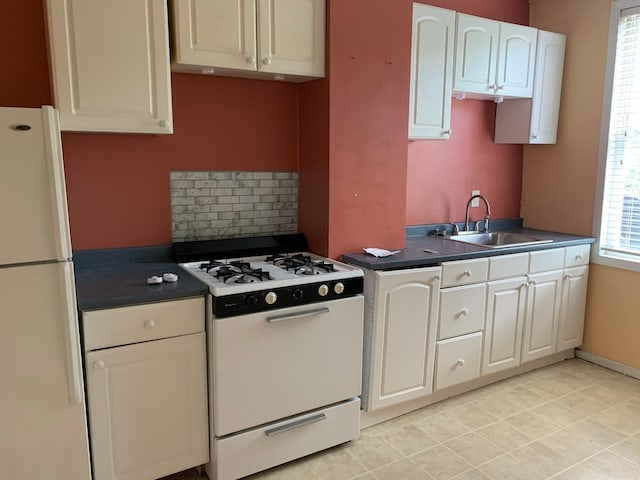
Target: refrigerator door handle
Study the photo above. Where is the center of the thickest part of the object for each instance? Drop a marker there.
(57, 183)
(72, 337)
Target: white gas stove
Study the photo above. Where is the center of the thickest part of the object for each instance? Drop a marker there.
(284, 340)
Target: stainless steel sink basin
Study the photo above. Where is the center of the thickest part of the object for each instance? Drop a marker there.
(496, 239)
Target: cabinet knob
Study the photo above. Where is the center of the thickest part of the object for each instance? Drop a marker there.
(163, 123)
(149, 324)
(436, 277)
(466, 273)
(460, 362)
(251, 59)
(579, 257)
(568, 276)
(492, 87)
(534, 135)
(99, 365)
(267, 61)
(447, 132)
(499, 87)
(464, 312)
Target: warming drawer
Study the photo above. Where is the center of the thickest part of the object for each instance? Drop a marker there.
(265, 447)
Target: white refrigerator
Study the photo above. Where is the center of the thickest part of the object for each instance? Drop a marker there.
(43, 429)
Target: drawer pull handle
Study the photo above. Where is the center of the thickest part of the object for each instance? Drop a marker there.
(99, 365)
(460, 362)
(295, 315)
(149, 324)
(295, 424)
(464, 312)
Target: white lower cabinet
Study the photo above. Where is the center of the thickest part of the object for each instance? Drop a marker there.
(503, 324)
(458, 360)
(400, 326)
(574, 298)
(542, 315)
(148, 400)
(469, 318)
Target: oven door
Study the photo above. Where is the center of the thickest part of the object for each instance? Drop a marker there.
(271, 365)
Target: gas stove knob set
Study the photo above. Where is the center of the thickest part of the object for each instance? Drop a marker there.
(338, 288)
(271, 298)
(323, 290)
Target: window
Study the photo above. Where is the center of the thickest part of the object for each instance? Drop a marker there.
(619, 180)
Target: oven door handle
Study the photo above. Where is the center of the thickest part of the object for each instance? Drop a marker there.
(295, 424)
(296, 315)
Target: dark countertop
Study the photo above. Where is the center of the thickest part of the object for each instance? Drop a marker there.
(413, 255)
(118, 277)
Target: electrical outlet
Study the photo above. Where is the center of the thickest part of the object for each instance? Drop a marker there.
(476, 201)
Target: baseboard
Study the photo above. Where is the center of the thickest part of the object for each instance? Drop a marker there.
(610, 364)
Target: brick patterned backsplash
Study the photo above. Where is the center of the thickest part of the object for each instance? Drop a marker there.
(209, 205)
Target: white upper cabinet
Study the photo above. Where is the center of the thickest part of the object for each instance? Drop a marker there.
(220, 33)
(110, 65)
(535, 120)
(493, 59)
(432, 47)
(281, 39)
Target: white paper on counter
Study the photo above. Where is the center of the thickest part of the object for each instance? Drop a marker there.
(380, 252)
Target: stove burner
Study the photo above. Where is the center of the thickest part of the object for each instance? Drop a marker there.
(237, 272)
(210, 265)
(301, 264)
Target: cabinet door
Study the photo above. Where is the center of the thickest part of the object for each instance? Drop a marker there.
(405, 309)
(503, 325)
(148, 408)
(291, 37)
(535, 120)
(432, 43)
(476, 54)
(547, 87)
(110, 65)
(574, 298)
(542, 314)
(516, 60)
(214, 34)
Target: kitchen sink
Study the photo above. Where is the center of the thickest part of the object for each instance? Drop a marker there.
(496, 239)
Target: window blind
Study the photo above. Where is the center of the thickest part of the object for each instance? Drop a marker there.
(620, 228)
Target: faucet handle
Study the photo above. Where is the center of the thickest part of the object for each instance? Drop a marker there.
(455, 230)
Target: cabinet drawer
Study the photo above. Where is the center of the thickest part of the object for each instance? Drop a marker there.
(261, 448)
(461, 310)
(576, 256)
(139, 323)
(507, 266)
(464, 272)
(458, 360)
(545, 260)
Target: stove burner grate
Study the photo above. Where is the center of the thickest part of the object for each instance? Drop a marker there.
(301, 264)
(235, 272)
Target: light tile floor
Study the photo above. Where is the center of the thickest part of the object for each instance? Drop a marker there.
(569, 421)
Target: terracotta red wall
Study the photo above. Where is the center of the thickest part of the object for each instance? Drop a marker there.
(347, 135)
(118, 184)
(379, 182)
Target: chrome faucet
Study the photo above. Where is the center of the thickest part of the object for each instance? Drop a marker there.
(486, 215)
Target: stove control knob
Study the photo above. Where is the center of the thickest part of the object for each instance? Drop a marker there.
(297, 293)
(323, 290)
(338, 288)
(251, 300)
(271, 298)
